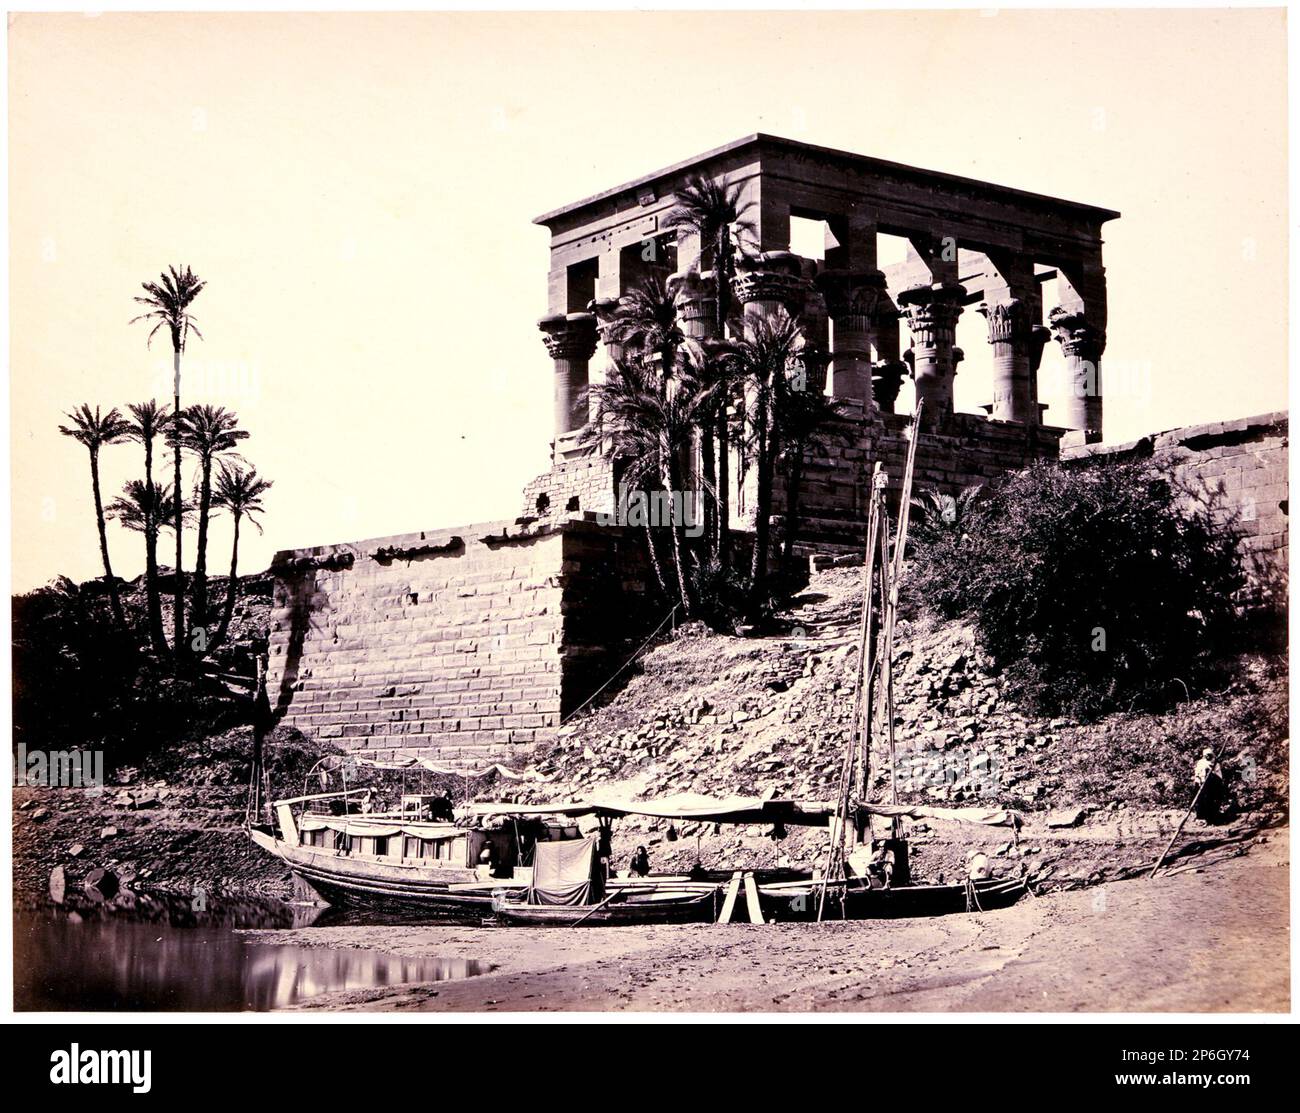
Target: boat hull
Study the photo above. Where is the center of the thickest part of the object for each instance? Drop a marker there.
(696, 909)
(358, 883)
(862, 903)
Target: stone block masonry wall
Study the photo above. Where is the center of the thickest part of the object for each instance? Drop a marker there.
(967, 450)
(1237, 470)
(459, 643)
(428, 641)
(581, 485)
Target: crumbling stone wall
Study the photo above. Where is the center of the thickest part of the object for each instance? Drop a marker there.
(578, 486)
(462, 643)
(965, 450)
(1238, 471)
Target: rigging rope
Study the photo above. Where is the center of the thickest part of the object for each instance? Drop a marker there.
(636, 653)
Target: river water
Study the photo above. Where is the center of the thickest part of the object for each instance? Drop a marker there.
(157, 952)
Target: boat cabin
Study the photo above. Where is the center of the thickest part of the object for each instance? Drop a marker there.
(422, 832)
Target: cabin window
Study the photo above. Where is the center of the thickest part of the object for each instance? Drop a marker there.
(381, 846)
(410, 847)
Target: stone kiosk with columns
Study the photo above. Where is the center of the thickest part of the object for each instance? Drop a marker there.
(971, 244)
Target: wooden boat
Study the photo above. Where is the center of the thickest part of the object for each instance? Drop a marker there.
(668, 907)
(854, 900)
(404, 861)
(569, 889)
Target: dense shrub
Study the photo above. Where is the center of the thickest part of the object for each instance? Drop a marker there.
(78, 680)
(1094, 587)
(721, 594)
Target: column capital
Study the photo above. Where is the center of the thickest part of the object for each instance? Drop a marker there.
(859, 293)
(1077, 335)
(1009, 321)
(772, 276)
(569, 336)
(691, 285)
(932, 309)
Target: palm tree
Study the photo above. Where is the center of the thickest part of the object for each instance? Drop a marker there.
(765, 357)
(150, 420)
(714, 211)
(239, 493)
(143, 506)
(95, 431)
(207, 431)
(169, 302)
(645, 319)
(645, 426)
(937, 516)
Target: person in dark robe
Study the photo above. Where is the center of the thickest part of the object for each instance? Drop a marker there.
(1213, 792)
(640, 864)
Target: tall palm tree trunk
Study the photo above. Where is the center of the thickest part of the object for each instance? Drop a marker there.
(709, 487)
(153, 605)
(199, 609)
(670, 481)
(722, 306)
(114, 600)
(231, 587)
(724, 485)
(178, 612)
(654, 556)
(795, 480)
(763, 502)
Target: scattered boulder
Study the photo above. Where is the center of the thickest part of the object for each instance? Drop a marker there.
(101, 884)
(58, 884)
(1066, 817)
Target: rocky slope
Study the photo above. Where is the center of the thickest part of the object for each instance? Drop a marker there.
(735, 716)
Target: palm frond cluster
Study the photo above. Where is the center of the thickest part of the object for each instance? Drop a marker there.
(223, 482)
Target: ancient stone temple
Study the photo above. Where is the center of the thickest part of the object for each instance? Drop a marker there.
(973, 247)
(465, 642)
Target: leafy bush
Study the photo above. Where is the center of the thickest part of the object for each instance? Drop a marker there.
(1093, 587)
(721, 594)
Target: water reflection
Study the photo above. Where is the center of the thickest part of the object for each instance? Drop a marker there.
(155, 952)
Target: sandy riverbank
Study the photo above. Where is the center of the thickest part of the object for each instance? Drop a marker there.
(1211, 937)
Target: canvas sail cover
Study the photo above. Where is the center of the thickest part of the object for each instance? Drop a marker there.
(566, 873)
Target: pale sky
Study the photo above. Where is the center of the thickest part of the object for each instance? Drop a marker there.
(358, 192)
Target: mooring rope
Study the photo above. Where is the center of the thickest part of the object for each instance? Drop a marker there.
(624, 665)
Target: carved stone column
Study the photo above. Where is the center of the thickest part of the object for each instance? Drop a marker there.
(932, 313)
(1010, 333)
(1083, 343)
(814, 324)
(770, 281)
(571, 341)
(604, 310)
(862, 312)
(696, 298)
